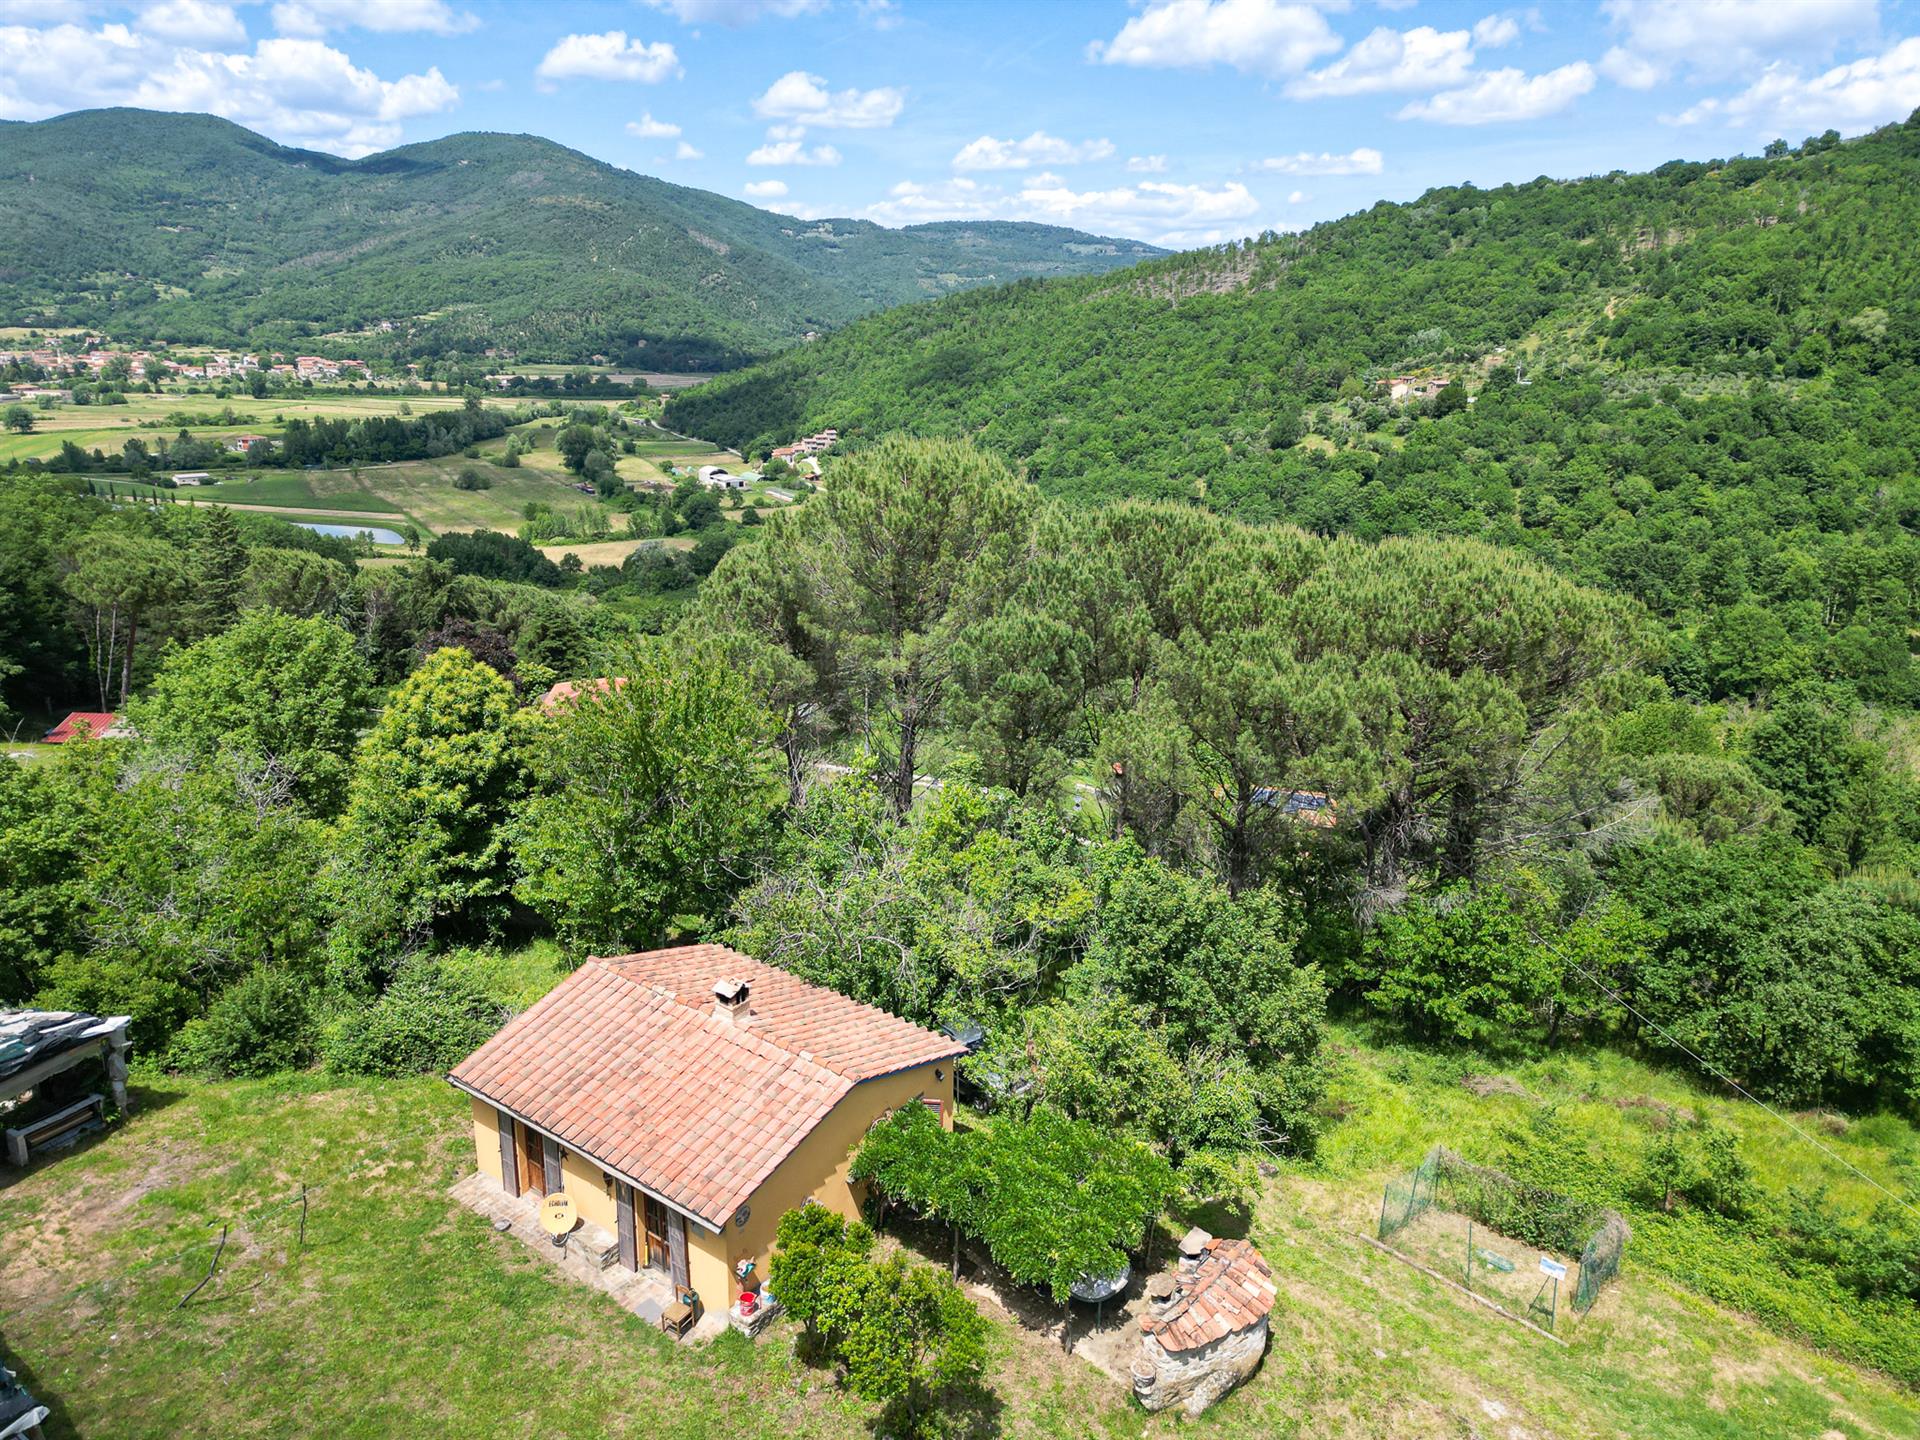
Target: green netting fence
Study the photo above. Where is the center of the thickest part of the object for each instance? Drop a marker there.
(1529, 1213)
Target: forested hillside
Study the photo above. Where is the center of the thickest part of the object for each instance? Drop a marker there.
(1699, 387)
(188, 228)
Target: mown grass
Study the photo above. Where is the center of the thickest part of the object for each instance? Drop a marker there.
(1581, 1122)
(406, 1315)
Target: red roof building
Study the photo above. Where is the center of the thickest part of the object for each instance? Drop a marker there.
(96, 724)
(566, 692)
(687, 1098)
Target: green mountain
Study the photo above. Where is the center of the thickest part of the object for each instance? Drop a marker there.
(1717, 407)
(192, 229)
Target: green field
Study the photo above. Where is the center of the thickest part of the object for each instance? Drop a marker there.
(108, 427)
(405, 1314)
(421, 491)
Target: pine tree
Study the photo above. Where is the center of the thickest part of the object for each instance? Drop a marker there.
(217, 572)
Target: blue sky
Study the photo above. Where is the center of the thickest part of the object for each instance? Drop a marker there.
(1177, 121)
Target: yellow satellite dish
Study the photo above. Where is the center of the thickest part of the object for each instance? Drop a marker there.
(557, 1215)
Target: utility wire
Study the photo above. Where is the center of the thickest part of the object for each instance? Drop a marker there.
(1722, 1075)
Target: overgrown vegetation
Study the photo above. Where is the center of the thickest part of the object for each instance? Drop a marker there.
(1696, 387)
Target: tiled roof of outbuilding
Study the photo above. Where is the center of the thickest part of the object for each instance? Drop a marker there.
(1232, 1289)
(625, 1062)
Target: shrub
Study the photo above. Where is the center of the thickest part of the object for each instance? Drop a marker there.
(471, 478)
(261, 1024)
(429, 1019)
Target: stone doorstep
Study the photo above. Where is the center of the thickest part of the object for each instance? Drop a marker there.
(644, 1294)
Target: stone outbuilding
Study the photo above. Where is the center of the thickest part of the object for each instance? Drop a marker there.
(1206, 1331)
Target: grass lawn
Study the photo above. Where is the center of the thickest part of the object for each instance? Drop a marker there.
(407, 1315)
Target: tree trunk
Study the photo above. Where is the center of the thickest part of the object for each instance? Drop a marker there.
(1239, 842)
(796, 762)
(126, 661)
(903, 782)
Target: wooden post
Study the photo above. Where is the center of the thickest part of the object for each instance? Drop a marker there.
(303, 1215)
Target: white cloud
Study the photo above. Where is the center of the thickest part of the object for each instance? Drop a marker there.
(685, 151)
(910, 203)
(300, 92)
(1297, 196)
(193, 22)
(1498, 96)
(43, 12)
(1850, 97)
(314, 18)
(765, 189)
(1635, 72)
(734, 13)
(802, 97)
(611, 56)
(1146, 164)
(648, 128)
(1265, 36)
(1152, 210)
(1420, 59)
(793, 152)
(1724, 37)
(1361, 161)
(1039, 148)
(1495, 31)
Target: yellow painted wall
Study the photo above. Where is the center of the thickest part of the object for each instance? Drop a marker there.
(816, 1170)
(592, 1194)
(486, 1138)
(585, 1181)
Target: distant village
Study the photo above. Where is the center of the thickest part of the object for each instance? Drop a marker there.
(799, 456)
(145, 365)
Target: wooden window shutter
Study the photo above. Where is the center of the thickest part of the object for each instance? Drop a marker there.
(677, 1248)
(509, 1161)
(629, 1237)
(550, 1164)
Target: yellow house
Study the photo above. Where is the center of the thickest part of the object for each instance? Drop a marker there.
(685, 1099)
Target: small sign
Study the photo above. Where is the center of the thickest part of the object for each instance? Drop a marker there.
(1553, 1268)
(556, 1214)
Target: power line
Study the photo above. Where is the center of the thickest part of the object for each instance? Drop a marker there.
(1722, 1075)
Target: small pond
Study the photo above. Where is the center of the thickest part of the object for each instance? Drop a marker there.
(348, 532)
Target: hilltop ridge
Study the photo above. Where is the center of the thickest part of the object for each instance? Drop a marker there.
(191, 228)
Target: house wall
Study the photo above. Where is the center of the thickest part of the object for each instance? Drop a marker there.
(589, 1185)
(816, 1170)
(486, 1139)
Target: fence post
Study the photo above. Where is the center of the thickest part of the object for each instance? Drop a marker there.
(217, 1250)
(1385, 1191)
(303, 1215)
(1469, 1254)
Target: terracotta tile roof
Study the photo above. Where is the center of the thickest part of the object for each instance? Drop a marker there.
(1231, 1289)
(625, 1062)
(848, 1038)
(567, 691)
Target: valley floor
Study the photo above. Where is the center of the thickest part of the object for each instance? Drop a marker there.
(406, 1314)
